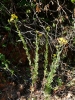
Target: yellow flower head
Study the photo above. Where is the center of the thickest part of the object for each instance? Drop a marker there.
(48, 28)
(62, 41)
(54, 55)
(39, 33)
(13, 17)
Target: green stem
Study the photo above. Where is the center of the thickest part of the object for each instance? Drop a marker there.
(24, 43)
(35, 69)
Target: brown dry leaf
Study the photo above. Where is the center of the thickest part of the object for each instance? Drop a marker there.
(38, 7)
(59, 8)
(74, 13)
(22, 98)
(34, 0)
(66, 17)
(32, 89)
(46, 7)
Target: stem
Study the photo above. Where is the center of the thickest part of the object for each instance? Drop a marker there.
(24, 43)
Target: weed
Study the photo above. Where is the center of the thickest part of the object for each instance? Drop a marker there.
(5, 64)
(53, 67)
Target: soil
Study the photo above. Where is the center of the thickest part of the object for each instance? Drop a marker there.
(18, 86)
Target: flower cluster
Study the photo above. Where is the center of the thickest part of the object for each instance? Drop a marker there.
(13, 18)
(62, 41)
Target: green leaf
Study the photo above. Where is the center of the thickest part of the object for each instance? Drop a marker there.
(22, 3)
(73, 1)
(54, 25)
(28, 11)
(7, 28)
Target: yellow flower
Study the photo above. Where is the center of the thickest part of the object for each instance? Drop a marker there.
(39, 33)
(48, 28)
(54, 55)
(13, 17)
(62, 41)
